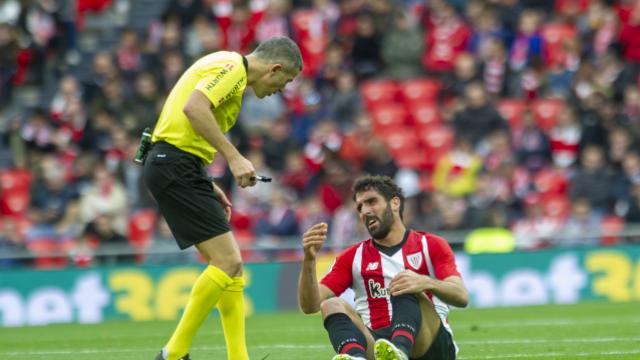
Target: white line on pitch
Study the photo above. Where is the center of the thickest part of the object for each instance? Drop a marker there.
(545, 341)
(549, 322)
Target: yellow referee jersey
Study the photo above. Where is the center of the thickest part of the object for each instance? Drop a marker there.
(222, 77)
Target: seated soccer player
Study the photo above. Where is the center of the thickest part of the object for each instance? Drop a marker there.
(403, 281)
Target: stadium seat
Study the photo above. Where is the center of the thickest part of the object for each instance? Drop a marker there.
(420, 91)
(48, 254)
(551, 181)
(437, 138)
(425, 115)
(512, 110)
(142, 225)
(374, 92)
(554, 36)
(388, 116)
(546, 112)
(437, 142)
(415, 159)
(556, 206)
(400, 140)
(611, 227)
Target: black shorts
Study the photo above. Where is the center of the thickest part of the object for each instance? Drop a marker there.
(442, 347)
(180, 185)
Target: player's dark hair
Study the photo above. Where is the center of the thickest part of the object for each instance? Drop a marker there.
(282, 50)
(383, 185)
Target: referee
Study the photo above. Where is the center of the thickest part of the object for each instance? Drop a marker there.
(200, 109)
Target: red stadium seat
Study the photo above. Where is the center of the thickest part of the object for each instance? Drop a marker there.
(512, 110)
(48, 254)
(437, 142)
(551, 181)
(425, 115)
(555, 205)
(611, 227)
(400, 140)
(376, 91)
(415, 159)
(546, 112)
(388, 116)
(437, 138)
(142, 225)
(420, 91)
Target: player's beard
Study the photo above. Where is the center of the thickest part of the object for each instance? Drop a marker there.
(384, 225)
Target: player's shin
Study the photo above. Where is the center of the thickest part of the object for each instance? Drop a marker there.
(345, 337)
(231, 307)
(204, 295)
(406, 321)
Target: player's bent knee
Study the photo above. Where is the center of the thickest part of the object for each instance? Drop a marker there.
(332, 306)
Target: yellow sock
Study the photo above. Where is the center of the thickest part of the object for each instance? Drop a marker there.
(205, 293)
(231, 307)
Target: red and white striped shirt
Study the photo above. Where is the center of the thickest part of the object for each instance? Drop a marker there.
(368, 271)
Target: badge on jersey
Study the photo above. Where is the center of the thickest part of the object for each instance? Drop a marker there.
(415, 260)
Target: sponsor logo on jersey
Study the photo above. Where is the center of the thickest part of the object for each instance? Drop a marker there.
(376, 290)
(216, 80)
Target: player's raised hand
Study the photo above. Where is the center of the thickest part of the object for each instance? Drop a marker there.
(313, 239)
(243, 171)
(408, 282)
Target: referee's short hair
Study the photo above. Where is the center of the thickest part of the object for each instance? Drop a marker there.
(383, 185)
(282, 50)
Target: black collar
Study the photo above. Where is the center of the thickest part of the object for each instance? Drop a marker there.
(245, 62)
(390, 250)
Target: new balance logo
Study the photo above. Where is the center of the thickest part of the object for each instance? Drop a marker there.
(372, 266)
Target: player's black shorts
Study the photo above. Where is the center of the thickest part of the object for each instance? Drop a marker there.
(442, 347)
(184, 193)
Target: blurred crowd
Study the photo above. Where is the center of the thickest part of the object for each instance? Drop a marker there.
(501, 119)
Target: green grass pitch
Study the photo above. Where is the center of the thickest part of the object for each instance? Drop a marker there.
(584, 331)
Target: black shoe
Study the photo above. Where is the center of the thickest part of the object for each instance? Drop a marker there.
(159, 357)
